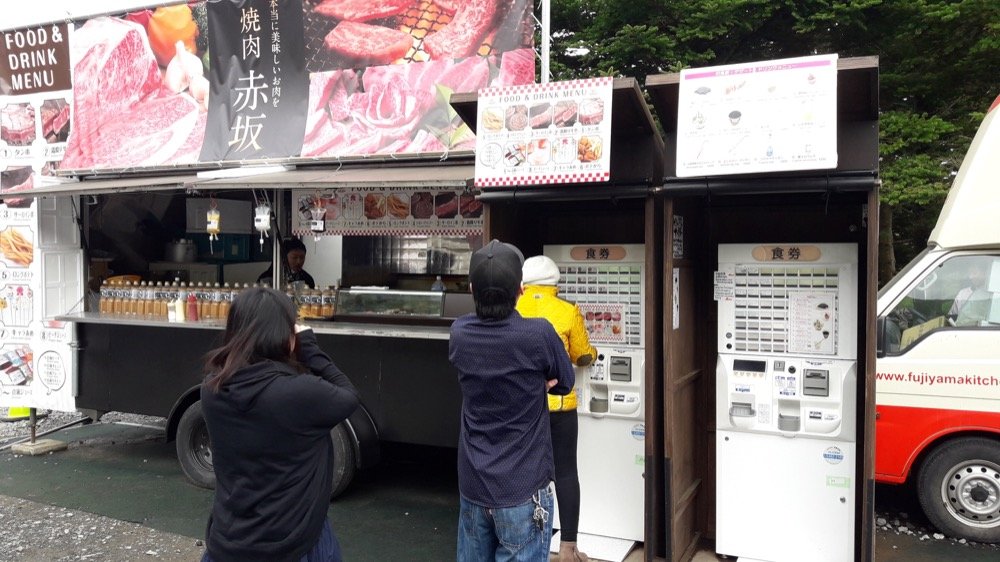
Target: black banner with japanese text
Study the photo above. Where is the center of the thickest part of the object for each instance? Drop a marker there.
(259, 82)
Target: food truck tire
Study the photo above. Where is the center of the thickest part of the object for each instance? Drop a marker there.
(194, 449)
(344, 461)
(959, 488)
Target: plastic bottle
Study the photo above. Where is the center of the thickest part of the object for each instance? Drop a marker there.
(180, 304)
(192, 308)
(438, 284)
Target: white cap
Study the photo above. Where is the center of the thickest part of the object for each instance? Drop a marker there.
(540, 270)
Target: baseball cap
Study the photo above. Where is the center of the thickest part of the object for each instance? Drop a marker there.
(496, 265)
(540, 270)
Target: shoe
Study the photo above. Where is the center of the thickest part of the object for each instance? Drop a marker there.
(569, 553)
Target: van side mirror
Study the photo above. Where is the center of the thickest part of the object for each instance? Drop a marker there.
(880, 337)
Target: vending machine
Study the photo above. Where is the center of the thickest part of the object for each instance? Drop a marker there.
(786, 401)
(606, 282)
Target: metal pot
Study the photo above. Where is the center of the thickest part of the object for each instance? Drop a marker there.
(180, 251)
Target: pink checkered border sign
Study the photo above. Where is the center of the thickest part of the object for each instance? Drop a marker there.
(547, 87)
(544, 179)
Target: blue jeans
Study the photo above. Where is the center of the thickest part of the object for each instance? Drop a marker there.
(509, 534)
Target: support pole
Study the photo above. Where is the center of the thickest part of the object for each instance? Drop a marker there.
(546, 32)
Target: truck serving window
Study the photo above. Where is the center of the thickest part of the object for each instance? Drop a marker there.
(962, 292)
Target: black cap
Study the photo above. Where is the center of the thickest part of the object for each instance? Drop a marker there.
(496, 265)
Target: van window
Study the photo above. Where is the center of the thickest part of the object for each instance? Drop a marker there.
(962, 292)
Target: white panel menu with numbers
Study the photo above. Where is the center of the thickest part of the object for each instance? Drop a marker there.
(607, 284)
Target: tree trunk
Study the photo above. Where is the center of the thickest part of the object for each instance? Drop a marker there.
(886, 254)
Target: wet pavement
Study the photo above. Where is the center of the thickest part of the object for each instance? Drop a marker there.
(117, 493)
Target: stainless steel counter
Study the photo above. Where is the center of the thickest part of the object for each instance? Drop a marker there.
(320, 327)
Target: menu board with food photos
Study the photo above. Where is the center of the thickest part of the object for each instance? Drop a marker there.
(35, 110)
(554, 133)
(377, 211)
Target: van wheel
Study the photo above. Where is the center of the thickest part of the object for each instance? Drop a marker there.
(959, 489)
(344, 463)
(194, 449)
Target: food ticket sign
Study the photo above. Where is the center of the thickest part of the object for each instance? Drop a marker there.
(554, 133)
(769, 116)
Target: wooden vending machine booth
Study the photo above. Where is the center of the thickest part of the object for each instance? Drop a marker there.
(769, 230)
(606, 237)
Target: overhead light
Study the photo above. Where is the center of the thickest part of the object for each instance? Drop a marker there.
(243, 172)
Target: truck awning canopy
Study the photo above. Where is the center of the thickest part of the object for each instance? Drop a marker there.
(106, 186)
(969, 216)
(437, 175)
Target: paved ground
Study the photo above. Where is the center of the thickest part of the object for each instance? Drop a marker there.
(117, 494)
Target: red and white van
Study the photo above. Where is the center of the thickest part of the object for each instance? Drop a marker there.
(938, 367)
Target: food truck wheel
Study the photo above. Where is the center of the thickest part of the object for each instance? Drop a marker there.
(959, 488)
(194, 448)
(344, 463)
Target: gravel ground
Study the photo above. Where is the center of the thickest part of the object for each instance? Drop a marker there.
(31, 531)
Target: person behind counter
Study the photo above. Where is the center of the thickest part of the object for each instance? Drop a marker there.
(505, 365)
(270, 400)
(540, 300)
(294, 255)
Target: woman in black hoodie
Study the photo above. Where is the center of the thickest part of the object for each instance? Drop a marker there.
(270, 401)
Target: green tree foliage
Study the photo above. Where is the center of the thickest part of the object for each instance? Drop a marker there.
(938, 71)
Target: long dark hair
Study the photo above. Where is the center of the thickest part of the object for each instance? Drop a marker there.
(260, 325)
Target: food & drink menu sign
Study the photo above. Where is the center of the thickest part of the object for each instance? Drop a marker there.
(388, 212)
(554, 133)
(770, 116)
(35, 96)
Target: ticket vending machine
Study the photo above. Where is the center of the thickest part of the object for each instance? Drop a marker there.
(786, 401)
(606, 282)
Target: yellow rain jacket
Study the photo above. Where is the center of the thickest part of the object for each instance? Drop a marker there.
(541, 301)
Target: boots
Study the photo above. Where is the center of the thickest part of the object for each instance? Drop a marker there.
(569, 553)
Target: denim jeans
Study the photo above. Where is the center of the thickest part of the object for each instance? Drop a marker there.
(508, 534)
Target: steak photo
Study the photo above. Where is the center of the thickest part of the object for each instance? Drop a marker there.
(446, 205)
(17, 124)
(470, 207)
(122, 115)
(540, 115)
(368, 44)
(462, 36)
(565, 113)
(362, 10)
(55, 119)
(16, 179)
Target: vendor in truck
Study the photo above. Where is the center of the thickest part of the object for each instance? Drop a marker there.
(293, 253)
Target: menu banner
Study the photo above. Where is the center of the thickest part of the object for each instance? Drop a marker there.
(771, 116)
(35, 106)
(388, 212)
(554, 133)
(246, 81)
(258, 73)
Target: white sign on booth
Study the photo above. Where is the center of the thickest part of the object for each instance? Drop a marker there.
(769, 116)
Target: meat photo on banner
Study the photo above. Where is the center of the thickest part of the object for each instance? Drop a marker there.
(382, 71)
(139, 89)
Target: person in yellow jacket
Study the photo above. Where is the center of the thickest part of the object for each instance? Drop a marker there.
(540, 300)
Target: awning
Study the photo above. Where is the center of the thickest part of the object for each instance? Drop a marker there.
(98, 187)
(439, 175)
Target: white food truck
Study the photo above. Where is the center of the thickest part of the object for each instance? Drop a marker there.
(938, 366)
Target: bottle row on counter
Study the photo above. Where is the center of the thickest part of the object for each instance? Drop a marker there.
(182, 302)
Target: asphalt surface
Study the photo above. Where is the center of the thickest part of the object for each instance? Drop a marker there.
(117, 494)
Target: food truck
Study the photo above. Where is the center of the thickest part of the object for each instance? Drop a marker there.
(380, 184)
(157, 156)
